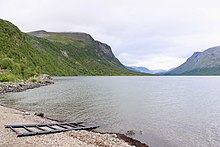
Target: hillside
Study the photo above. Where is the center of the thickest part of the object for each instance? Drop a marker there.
(60, 54)
(200, 63)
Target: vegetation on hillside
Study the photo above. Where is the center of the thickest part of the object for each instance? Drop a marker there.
(14, 53)
(59, 54)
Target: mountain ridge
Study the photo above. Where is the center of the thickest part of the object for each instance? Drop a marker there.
(200, 63)
(60, 54)
(102, 49)
(144, 70)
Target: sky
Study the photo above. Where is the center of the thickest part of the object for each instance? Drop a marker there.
(157, 34)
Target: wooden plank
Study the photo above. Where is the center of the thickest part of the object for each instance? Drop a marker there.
(13, 130)
(40, 128)
(53, 131)
(73, 125)
(27, 129)
(51, 127)
(62, 126)
(82, 128)
(40, 125)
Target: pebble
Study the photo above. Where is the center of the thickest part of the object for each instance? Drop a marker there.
(114, 135)
(26, 113)
(130, 132)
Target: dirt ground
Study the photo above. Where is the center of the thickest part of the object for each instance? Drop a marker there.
(8, 138)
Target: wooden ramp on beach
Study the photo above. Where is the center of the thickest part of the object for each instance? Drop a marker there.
(39, 129)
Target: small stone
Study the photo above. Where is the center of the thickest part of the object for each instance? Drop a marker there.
(130, 132)
(114, 135)
(39, 114)
(141, 132)
(113, 139)
(26, 113)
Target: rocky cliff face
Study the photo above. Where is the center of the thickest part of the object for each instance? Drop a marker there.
(73, 35)
(103, 50)
(200, 63)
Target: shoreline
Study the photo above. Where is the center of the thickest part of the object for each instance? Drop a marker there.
(35, 82)
(76, 138)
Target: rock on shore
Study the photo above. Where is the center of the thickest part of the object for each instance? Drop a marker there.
(34, 82)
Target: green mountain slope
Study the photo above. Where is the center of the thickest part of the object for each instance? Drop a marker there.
(23, 55)
(200, 63)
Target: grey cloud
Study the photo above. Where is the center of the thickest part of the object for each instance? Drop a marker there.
(143, 32)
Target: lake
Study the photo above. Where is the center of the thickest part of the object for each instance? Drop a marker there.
(161, 110)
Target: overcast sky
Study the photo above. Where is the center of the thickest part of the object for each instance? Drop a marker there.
(157, 34)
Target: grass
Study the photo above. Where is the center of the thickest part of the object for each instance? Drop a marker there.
(7, 77)
(34, 79)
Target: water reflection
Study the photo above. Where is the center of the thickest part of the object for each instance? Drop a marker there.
(168, 111)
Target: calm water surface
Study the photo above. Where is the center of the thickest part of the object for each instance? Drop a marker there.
(162, 111)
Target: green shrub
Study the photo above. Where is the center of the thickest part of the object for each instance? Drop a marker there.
(34, 80)
(6, 63)
(5, 77)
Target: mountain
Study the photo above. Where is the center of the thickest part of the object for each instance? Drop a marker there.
(101, 49)
(158, 71)
(200, 63)
(138, 69)
(144, 70)
(60, 54)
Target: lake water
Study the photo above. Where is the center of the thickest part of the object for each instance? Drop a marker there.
(162, 111)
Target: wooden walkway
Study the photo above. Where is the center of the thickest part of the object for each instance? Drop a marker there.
(39, 129)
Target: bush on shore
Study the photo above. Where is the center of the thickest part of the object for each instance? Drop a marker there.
(34, 80)
(7, 77)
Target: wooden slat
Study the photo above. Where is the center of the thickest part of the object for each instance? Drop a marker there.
(27, 129)
(40, 128)
(73, 126)
(13, 130)
(51, 127)
(40, 125)
(62, 126)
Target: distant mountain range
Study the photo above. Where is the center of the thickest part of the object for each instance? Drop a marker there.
(144, 70)
(23, 55)
(200, 63)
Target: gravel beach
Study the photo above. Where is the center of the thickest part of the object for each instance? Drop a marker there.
(72, 138)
